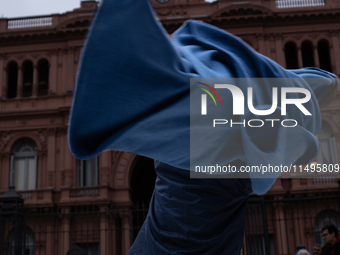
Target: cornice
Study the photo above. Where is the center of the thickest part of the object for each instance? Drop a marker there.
(251, 15)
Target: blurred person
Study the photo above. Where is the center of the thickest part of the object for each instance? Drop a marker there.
(75, 250)
(300, 247)
(317, 249)
(331, 239)
(303, 252)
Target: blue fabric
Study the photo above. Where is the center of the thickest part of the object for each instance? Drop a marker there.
(193, 216)
(132, 94)
(133, 88)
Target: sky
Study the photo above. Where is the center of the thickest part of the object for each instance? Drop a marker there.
(22, 8)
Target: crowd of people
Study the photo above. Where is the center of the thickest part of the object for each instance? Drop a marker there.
(331, 238)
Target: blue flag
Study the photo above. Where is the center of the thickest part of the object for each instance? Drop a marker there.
(133, 94)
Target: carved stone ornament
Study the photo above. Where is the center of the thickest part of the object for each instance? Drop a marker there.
(50, 179)
(114, 156)
(260, 36)
(297, 37)
(163, 11)
(313, 36)
(278, 37)
(334, 32)
(42, 137)
(52, 52)
(35, 55)
(104, 175)
(5, 136)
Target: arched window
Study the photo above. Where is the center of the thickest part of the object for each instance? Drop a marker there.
(12, 79)
(87, 172)
(27, 70)
(307, 54)
(142, 186)
(43, 72)
(291, 56)
(24, 165)
(328, 152)
(28, 237)
(324, 56)
(325, 217)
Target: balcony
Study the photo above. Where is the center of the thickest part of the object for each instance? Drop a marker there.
(29, 22)
(38, 197)
(95, 194)
(283, 4)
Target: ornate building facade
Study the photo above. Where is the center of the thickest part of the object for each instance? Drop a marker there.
(38, 63)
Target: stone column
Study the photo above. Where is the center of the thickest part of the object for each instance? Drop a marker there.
(2, 77)
(337, 139)
(105, 166)
(126, 232)
(19, 83)
(65, 231)
(68, 163)
(267, 45)
(51, 156)
(103, 232)
(332, 57)
(299, 53)
(5, 176)
(316, 56)
(279, 50)
(4, 83)
(53, 70)
(336, 50)
(280, 230)
(49, 243)
(262, 47)
(35, 81)
(70, 70)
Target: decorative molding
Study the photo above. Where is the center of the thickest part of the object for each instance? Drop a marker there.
(104, 175)
(50, 131)
(114, 156)
(50, 179)
(163, 11)
(67, 177)
(5, 137)
(35, 55)
(334, 32)
(52, 52)
(297, 37)
(61, 130)
(303, 181)
(278, 36)
(41, 133)
(313, 36)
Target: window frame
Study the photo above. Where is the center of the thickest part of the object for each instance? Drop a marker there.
(82, 172)
(24, 155)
